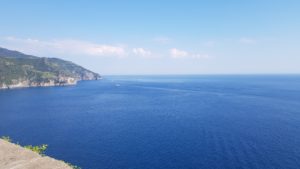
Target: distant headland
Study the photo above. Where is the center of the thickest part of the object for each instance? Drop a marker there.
(18, 70)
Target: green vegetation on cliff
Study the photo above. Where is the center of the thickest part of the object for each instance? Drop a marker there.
(16, 67)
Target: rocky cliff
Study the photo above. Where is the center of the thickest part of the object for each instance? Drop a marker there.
(21, 70)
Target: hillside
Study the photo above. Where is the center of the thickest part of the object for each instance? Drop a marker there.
(21, 70)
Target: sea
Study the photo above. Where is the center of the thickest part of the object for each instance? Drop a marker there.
(162, 122)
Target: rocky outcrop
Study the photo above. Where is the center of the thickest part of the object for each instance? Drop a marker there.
(13, 156)
(21, 83)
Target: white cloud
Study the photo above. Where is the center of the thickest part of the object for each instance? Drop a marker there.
(141, 52)
(73, 47)
(67, 47)
(177, 53)
(105, 50)
(245, 40)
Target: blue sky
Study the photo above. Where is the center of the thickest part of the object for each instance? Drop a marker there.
(158, 37)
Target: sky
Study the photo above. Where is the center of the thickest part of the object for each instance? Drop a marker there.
(118, 37)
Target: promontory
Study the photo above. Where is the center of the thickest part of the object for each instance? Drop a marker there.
(21, 70)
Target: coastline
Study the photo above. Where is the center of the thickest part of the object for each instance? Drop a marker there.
(51, 83)
(29, 85)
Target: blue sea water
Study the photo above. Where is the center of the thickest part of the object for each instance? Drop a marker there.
(162, 122)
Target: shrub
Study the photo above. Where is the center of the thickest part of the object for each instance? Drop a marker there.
(6, 138)
(38, 149)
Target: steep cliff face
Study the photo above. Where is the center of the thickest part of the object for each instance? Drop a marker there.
(20, 70)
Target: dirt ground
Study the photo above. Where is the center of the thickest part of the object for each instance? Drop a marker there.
(13, 156)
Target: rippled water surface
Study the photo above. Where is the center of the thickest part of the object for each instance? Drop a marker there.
(162, 122)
